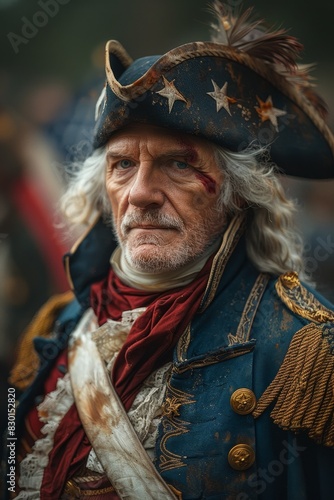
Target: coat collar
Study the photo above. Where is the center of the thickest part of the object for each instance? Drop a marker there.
(89, 259)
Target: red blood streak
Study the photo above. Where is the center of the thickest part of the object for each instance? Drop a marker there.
(191, 156)
(207, 181)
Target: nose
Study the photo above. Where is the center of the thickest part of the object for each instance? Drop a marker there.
(147, 188)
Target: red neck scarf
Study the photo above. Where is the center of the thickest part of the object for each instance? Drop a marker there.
(154, 334)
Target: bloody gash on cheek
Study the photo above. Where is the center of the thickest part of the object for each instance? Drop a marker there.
(191, 157)
(207, 181)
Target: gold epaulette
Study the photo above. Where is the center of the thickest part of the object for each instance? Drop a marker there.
(303, 389)
(27, 362)
(300, 301)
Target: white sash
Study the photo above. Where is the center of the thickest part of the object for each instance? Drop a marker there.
(108, 428)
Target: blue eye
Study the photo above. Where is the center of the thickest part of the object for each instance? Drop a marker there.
(125, 163)
(181, 165)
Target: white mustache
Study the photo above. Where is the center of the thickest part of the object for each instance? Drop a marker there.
(155, 218)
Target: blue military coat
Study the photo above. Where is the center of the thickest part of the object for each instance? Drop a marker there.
(248, 412)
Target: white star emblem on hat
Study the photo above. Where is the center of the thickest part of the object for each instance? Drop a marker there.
(171, 93)
(219, 95)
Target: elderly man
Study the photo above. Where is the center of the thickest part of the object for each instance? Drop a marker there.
(192, 363)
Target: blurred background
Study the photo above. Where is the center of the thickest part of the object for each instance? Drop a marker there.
(51, 72)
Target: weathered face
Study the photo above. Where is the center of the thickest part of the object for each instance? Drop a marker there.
(163, 188)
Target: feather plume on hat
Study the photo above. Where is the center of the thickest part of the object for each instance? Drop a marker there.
(273, 46)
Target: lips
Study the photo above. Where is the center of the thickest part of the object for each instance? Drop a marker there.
(146, 226)
(149, 229)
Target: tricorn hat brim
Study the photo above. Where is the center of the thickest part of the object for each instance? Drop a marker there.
(221, 94)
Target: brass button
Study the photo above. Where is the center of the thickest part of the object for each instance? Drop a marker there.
(241, 457)
(243, 401)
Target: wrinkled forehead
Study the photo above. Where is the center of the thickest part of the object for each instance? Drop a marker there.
(163, 138)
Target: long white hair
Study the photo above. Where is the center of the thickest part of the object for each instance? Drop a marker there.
(250, 184)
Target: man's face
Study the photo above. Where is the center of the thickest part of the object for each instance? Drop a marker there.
(163, 187)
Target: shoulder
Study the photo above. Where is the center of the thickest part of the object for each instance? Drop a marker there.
(288, 305)
(56, 316)
(301, 392)
(302, 299)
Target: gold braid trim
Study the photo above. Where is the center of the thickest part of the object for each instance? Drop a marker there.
(176, 492)
(27, 362)
(303, 389)
(301, 301)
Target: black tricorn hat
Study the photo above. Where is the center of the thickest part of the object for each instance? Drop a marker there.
(243, 88)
